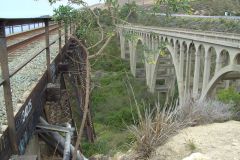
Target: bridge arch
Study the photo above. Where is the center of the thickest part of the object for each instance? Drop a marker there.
(224, 58)
(166, 40)
(222, 72)
(164, 74)
(172, 43)
(237, 59)
(137, 58)
(211, 65)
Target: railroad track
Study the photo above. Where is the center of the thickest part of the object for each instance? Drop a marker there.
(16, 41)
(22, 47)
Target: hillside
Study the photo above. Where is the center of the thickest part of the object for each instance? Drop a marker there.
(203, 7)
(216, 7)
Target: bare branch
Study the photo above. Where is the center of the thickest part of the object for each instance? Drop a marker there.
(102, 48)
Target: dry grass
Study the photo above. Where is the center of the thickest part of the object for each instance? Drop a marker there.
(204, 112)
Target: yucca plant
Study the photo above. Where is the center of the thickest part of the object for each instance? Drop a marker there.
(154, 127)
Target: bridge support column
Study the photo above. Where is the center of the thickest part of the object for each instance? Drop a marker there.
(218, 63)
(196, 74)
(181, 82)
(122, 43)
(152, 70)
(148, 74)
(187, 75)
(206, 73)
(133, 61)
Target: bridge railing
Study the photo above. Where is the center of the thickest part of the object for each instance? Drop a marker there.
(8, 140)
(229, 37)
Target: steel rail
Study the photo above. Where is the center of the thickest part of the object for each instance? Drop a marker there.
(13, 47)
(16, 35)
(11, 74)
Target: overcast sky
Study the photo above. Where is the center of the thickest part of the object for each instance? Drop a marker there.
(30, 8)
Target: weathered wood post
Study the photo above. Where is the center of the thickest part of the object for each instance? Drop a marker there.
(7, 88)
(47, 49)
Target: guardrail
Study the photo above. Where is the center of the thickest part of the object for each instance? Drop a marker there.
(12, 138)
(200, 16)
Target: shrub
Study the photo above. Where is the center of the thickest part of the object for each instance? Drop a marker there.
(204, 112)
(190, 144)
(230, 96)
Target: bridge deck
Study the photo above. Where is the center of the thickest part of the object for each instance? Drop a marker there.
(220, 38)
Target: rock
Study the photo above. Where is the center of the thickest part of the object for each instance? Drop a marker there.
(119, 156)
(99, 157)
(196, 156)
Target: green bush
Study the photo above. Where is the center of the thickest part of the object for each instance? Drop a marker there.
(122, 118)
(230, 96)
(93, 148)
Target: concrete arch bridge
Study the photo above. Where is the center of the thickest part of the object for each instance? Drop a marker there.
(199, 62)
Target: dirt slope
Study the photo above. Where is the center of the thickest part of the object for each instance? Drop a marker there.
(219, 141)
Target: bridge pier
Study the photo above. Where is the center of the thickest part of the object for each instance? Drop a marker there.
(206, 72)
(196, 74)
(122, 45)
(187, 74)
(181, 71)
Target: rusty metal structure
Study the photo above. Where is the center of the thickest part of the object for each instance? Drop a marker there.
(49, 97)
(75, 57)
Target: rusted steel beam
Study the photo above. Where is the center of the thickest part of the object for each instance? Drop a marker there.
(67, 148)
(47, 50)
(66, 32)
(59, 36)
(61, 141)
(55, 128)
(7, 88)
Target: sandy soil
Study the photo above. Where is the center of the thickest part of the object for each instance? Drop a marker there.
(219, 141)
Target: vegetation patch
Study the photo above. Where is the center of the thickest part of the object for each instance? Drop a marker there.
(230, 96)
(204, 24)
(112, 102)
